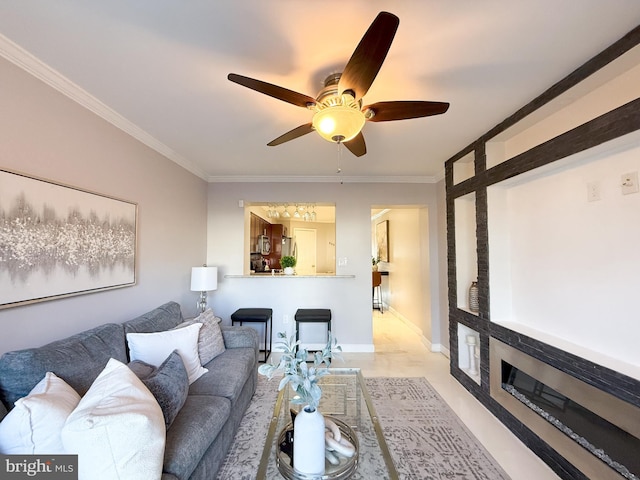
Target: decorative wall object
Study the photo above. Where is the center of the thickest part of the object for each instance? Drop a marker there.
(474, 302)
(382, 240)
(57, 240)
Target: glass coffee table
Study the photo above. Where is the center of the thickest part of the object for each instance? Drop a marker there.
(345, 398)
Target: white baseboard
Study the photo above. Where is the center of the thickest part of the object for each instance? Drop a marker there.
(418, 331)
(439, 348)
(407, 322)
(433, 347)
(347, 348)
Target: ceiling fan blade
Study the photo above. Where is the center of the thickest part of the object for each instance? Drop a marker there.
(401, 110)
(292, 134)
(356, 145)
(274, 91)
(365, 63)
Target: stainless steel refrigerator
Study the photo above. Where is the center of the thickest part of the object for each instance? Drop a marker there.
(289, 247)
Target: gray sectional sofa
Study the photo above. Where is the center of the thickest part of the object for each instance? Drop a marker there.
(200, 436)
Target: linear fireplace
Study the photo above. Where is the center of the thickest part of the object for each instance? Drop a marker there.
(595, 431)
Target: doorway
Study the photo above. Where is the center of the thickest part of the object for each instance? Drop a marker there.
(405, 266)
(306, 242)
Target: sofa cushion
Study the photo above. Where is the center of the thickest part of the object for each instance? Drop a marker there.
(210, 341)
(117, 428)
(192, 432)
(165, 317)
(155, 347)
(78, 360)
(169, 384)
(35, 423)
(240, 336)
(227, 374)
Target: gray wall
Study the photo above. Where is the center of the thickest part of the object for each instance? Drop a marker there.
(45, 134)
(183, 222)
(348, 298)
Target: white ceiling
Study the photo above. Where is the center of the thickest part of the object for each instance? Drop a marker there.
(159, 70)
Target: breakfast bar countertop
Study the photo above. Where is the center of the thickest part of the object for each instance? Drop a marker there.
(281, 275)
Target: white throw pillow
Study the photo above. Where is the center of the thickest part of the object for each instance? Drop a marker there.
(154, 348)
(33, 426)
(117, 430)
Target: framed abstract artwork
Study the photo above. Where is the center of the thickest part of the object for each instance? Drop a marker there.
(382, 240)
(57, 240)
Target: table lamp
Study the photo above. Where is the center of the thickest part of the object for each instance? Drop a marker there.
(203, 280)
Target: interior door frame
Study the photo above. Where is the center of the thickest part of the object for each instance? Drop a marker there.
(313, 250)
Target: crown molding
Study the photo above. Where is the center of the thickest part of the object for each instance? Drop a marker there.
(43, 72)
(320, 179)
(32, 65)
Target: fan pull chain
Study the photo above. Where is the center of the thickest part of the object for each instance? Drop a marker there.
(339, 169)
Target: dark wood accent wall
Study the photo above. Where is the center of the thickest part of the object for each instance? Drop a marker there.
(611, 125)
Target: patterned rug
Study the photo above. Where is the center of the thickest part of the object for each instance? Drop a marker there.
(426, 438)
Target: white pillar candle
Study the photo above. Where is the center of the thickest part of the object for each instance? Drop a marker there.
(473, 360)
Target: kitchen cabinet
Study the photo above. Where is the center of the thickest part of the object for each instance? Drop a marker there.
(276, 239)
(274, 233)
(258, 226)
(277, 231)
(253, 233)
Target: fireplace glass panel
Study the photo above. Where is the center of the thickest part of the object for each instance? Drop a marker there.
(590, 430)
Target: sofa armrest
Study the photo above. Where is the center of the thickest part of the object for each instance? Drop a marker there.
(240, 337)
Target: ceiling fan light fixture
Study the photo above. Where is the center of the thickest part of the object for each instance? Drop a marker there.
(338, 118)
(338, 108)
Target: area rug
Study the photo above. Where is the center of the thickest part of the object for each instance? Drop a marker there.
(426, 438)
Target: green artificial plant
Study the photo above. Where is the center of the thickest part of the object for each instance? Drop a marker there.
(302, 378)
(288, 261)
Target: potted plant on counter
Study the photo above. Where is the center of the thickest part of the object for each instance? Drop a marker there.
(287, 262)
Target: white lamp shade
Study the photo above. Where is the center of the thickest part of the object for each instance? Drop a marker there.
(204, 279)
(338, 118)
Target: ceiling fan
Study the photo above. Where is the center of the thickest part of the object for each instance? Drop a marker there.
(339, 115)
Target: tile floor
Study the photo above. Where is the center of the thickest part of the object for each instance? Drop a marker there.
(400, 352)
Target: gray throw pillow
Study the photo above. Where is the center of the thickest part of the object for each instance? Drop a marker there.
(169, 383)
(210, 341)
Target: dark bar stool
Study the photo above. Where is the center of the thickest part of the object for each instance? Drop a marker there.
(256, 315)
(377, 284)
(312, 315)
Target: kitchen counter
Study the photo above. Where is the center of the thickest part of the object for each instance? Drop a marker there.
(280, 275)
